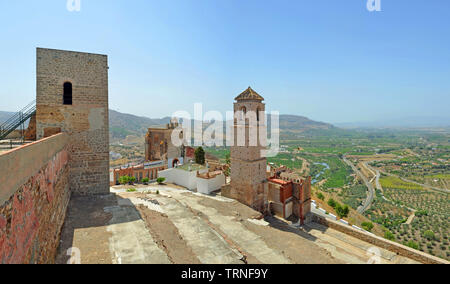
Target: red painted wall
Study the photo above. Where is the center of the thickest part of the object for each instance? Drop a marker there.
(31, 220)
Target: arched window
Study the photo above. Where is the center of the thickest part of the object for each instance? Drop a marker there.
(67, 96)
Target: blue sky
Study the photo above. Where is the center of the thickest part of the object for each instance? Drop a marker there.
(330, 60)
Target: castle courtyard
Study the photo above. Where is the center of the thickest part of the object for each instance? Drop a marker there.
(161, 224)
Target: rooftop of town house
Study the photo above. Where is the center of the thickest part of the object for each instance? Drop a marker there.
(279, 181)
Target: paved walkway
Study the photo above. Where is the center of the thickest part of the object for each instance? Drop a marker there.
(178, 226)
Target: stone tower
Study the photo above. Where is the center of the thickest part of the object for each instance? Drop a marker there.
(72, 97)
(249, 183)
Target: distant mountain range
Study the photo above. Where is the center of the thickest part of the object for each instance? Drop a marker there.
(405, 122)
(4, 115)
(122, 124)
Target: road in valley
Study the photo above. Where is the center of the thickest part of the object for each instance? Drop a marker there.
(370, 192)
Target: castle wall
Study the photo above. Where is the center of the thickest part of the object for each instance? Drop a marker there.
(33, 200)
(85, 121)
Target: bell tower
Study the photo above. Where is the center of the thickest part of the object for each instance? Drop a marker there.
(249, 183)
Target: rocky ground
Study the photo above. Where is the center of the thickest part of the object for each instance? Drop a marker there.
(167, 224)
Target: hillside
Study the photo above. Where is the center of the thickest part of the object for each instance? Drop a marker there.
(121, 124)
(301, 123)
(4, 115)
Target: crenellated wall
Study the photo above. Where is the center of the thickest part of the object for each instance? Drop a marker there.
(34, 195)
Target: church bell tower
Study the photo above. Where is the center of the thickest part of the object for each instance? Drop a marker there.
(249, 183)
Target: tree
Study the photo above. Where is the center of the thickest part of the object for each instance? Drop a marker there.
(200, 156)
(132, 180)
(161, 180)
(145, 180)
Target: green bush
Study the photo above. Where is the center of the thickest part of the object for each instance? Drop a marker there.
(368, 226)
(332, 203)
(413, 245)
(145, 180)
(161, 180)
(124, 180)
(132, 190)
(342, 211)
(388, 235)
(320, 196)
(429, 235)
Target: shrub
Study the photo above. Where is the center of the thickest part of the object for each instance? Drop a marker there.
(342, 211)
(161, 180)
(320, 196)
(145, 180)
(413, 245)
(368, 226)
(124, 180)
(131, 190)
(388, 235)
(421, 213)
(332, 203)
(131, 180)
(429, 235)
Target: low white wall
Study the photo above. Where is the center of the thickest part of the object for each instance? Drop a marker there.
(207, 186)
(191, 181)
(180, 177)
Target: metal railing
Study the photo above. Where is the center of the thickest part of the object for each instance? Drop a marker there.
(17, 120)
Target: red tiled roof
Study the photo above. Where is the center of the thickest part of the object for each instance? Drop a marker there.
(279, 181)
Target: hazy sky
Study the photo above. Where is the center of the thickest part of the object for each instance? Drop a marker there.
(330, 60)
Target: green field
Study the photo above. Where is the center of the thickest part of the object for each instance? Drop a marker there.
(396, 183)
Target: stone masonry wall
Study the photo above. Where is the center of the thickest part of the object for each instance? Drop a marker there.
(32, 210)
(85, 121)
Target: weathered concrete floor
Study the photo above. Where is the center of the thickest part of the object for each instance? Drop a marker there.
(177, 226)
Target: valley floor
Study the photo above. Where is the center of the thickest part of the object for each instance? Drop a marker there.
(167, 224)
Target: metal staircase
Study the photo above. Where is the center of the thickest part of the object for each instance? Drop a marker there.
(17, 120)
